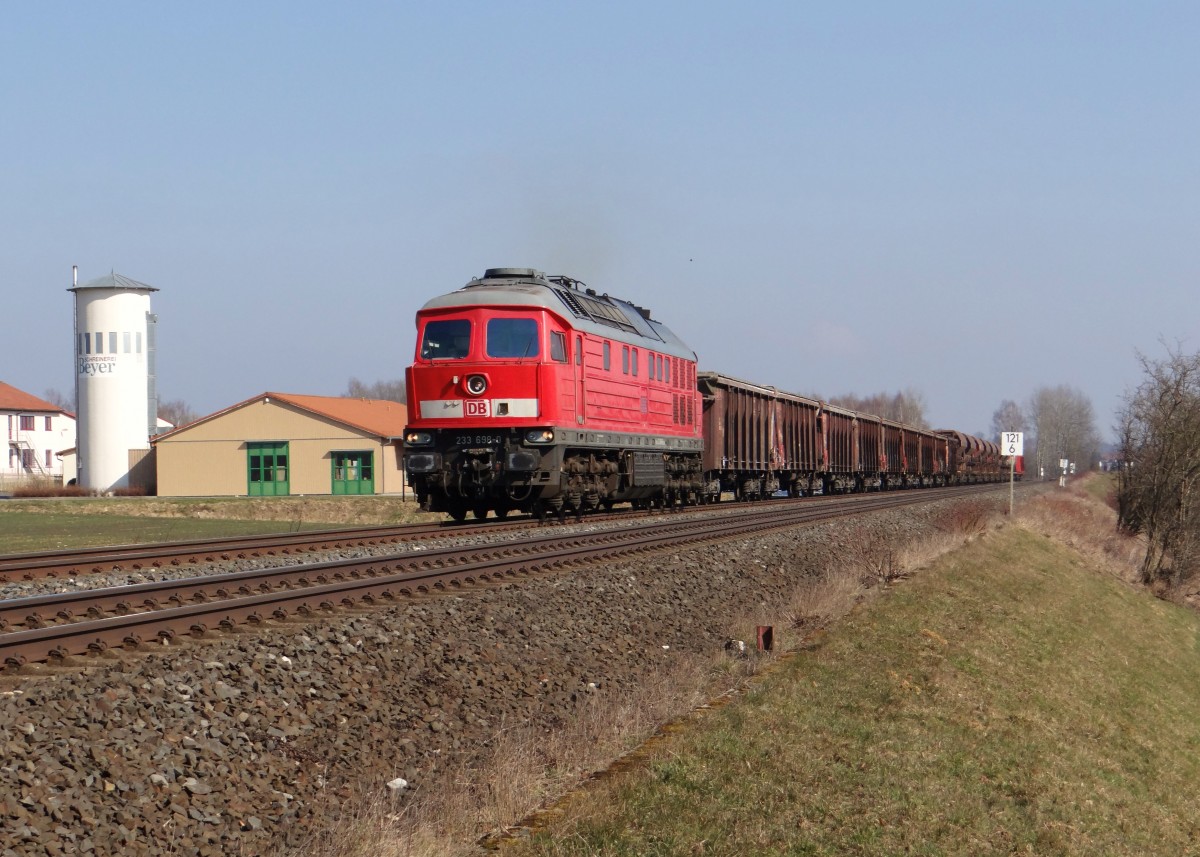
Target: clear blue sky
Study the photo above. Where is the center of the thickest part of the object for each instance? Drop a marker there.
(969, 199)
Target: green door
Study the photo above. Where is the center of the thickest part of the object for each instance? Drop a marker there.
(353, 472)
(267, 469)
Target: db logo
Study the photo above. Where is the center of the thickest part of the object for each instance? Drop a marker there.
(477, 408)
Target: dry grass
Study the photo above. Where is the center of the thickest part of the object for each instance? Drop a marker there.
(1082, 517)
(328, 510)
(1010, 700)
(55, 523)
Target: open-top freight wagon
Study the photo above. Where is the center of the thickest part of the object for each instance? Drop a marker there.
(759, 440)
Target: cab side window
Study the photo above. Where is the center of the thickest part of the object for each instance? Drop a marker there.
(558, 347)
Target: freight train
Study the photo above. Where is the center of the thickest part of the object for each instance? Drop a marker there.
(535, 393)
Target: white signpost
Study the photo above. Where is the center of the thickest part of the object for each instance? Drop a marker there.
(1012, 444)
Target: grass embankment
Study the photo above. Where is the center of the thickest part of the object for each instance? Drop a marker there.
(1006, 700)
(61, 523)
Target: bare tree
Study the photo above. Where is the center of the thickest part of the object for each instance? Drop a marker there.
(177, 412)
(1008, 417)
(391, 391)
(1159, 486)
(1064, 426)
(907, 406)
(60, 400)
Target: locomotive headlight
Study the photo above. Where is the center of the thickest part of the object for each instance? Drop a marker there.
(476, 385)
(540, 436)
(417, 438)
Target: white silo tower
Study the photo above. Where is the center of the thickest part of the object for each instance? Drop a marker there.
(114, 378)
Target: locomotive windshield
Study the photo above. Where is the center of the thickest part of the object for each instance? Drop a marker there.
(512, 337)
(446, 340)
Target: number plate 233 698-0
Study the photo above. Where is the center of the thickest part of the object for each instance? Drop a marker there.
(478, 440)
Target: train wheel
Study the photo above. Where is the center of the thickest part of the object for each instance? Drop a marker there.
(480, 512)
(501, 513)
(457, 511)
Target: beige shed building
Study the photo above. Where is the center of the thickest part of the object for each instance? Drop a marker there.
(277, 444)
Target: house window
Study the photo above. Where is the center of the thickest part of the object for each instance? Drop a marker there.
(47, 458)
(27, 459)
(26, 422)
(48, 419)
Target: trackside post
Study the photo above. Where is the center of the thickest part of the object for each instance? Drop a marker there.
(1012, 444)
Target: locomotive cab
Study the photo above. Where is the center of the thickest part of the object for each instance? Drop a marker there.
(484, 385)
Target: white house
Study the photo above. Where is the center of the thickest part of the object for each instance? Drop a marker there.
(37, 432)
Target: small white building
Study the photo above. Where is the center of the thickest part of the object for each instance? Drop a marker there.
(37, 432)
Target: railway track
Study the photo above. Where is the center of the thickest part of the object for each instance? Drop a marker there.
(57, 626)
(107, 559)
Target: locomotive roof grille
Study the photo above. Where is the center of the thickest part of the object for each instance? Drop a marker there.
(572, 303)
(585, 306)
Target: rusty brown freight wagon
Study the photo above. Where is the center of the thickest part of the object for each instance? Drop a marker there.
(758, 440)
(971, 459)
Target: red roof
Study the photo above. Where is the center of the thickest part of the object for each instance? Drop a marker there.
(377, 417)
(12, 399)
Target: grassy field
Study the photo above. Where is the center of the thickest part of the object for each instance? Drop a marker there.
(1008, 700)
(60, 523)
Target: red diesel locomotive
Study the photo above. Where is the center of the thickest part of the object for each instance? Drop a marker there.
(535, 393)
